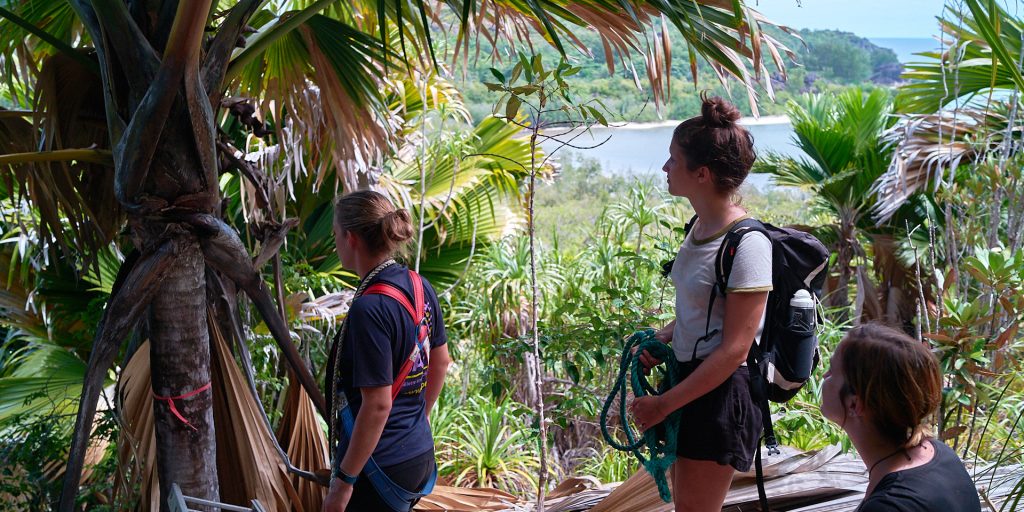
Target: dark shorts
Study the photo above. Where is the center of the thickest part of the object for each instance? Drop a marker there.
(411, 474)
(724, 425)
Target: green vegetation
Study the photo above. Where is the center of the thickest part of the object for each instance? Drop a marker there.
(926, 227)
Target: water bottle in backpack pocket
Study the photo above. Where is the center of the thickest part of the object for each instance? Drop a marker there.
(794, 356)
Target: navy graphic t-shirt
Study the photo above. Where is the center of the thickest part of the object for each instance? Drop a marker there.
(379, 337)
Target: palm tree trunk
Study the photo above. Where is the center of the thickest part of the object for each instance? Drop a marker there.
(180, 358)
(840, 297)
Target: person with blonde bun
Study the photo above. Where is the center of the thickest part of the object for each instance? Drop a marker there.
(882, 387)
(720, 424)
(386, 366)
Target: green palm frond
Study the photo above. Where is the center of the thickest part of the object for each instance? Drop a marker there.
(982, 54)
(470, 197)
(36, 30)
(842, 139)
(424, 95)
(47, 380)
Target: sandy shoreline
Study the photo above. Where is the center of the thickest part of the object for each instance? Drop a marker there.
(745, 121)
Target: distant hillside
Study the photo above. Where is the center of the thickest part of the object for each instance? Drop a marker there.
(826, 60)
(843, 57)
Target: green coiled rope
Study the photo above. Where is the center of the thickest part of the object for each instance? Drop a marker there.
(659, 441)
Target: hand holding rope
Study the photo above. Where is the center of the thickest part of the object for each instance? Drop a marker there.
(661, 449)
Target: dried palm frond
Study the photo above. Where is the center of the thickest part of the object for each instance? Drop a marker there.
(929, 148)
(639, 492)
(304, 442)
(136, 450)
(327, 309)
(459, 499)
(73, 196)
(248, 463)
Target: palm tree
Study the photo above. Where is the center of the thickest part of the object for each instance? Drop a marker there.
(128, 98)
(846, 151)
(841, 140)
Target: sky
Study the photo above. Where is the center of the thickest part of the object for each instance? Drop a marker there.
(866, 18)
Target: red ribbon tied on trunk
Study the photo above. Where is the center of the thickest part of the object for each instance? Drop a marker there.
(174, 410)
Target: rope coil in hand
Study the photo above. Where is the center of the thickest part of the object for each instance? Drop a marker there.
(659, 441)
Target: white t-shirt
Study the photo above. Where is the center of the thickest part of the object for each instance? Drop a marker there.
(693, 275)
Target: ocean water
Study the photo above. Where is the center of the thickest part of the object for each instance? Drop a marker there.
(643, 149)
(906, 47)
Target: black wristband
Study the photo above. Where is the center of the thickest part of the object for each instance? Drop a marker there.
(345, 477)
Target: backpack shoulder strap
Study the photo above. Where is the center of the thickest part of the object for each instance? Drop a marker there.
(723, 266)
(727, 251)
(689, 224)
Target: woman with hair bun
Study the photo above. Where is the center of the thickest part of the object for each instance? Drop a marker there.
(709, 157)
(386, 366)
(882, 387)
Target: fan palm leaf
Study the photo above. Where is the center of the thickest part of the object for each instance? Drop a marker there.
(983, 54)
(47, 381)
(841, 138)
(930, 147)
(845, 153)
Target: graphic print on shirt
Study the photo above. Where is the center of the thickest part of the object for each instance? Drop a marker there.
(416, 382)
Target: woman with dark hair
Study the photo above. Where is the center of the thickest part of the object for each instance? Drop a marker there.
(386, 367)
(720, 427)
(882, 387)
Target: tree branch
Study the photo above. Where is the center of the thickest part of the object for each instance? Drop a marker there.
(88, 18)
(219, 53)
(94, 156)
(224, 252)
(254, 175)
(134, 152)
(20, 113)
(204, 131)
(139, 62)
(272, 242)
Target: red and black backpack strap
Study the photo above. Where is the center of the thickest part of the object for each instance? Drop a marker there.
(417, 311)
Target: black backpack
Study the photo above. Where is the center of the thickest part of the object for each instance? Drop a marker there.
(788, 352)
